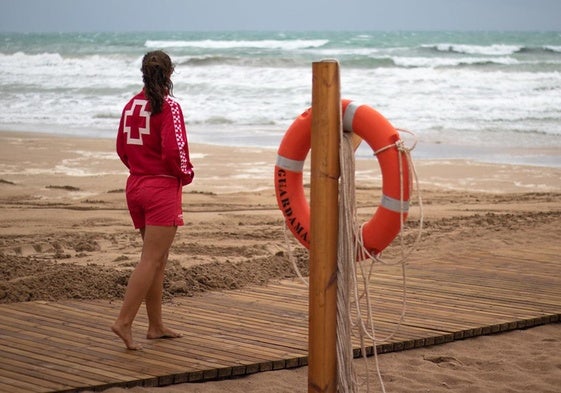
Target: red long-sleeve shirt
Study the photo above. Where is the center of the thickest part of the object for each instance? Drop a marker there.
(154, 144)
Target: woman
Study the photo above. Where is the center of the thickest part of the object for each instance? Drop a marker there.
(152, 143)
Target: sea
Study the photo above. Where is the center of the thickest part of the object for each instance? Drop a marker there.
(485, 96)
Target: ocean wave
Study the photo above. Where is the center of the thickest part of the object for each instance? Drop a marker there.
(369, 62)
(205, 60)
(106, 115)
(30, 59)
(232, 44)
(55, 59)
(541, 50)
(217, 120)
(486, 50)
(552, 48)
(210, 60)
(435, 62)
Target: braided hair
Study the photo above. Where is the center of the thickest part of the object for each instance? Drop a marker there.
(156, 75)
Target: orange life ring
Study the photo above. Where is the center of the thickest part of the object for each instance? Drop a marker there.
(371, 126)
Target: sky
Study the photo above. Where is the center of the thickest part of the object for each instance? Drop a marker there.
(277, 15)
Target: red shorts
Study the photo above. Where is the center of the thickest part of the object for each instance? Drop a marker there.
(154, 200)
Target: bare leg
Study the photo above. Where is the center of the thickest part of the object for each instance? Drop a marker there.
(157, 241)
(156, 328)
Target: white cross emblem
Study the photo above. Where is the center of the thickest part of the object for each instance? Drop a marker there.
(137, 122)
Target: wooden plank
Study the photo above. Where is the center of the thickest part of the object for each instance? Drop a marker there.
(103, 363)
(12, 382)
(50, 346)
(156, 362)
(16, 362)
(206, 349)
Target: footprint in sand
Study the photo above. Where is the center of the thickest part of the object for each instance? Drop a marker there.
(444, 361)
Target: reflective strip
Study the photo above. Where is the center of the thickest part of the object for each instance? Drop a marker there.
(394, 204)
(290, 165)
(349, 115)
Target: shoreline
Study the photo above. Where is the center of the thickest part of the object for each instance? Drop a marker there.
(228, 169)
(493, 154)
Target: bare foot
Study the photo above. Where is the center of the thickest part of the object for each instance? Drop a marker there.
(163, 332)
(126, 335)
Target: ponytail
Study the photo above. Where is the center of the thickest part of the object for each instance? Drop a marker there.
(156, 75)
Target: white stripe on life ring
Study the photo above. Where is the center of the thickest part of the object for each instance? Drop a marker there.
(349, 116)
(395, 205)
(290, 165)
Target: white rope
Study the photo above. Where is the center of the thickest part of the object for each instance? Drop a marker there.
(367, 329)
(364, 319)
(346, 376)
(291, 257)
(350, 245)
(405, 253)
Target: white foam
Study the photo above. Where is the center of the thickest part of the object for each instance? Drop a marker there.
(494, 49)
(229, 44)
(553, 48)
(450, 62)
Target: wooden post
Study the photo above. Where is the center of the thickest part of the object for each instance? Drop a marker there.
(326, 130)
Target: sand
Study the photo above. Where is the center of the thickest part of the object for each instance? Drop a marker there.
(65, 233)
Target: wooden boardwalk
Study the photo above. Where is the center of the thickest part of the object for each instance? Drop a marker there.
(67, 346)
